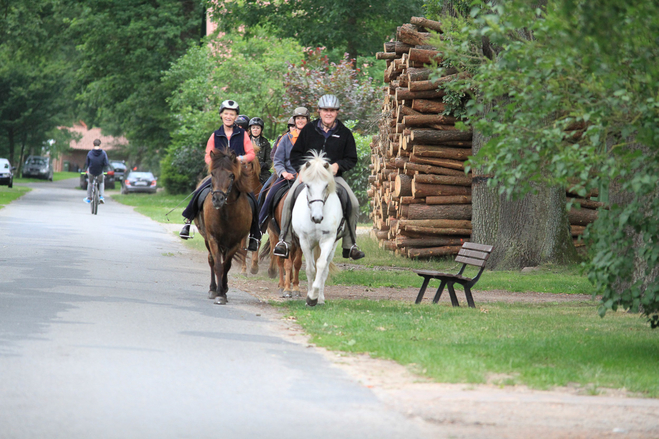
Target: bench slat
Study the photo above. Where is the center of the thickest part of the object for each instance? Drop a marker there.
(473, 254)
(474, 246)
(470, 261)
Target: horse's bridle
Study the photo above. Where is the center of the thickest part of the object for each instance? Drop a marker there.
(317, 200)
(225, 194)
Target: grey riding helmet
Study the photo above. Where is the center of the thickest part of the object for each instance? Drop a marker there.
(301, 111)
(291, 122)
(256, 121)
(230, 105)
(242, 121)
(329, 102)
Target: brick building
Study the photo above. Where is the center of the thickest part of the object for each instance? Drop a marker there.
(74, 158)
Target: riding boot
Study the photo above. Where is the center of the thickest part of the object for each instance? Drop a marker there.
(254, 240)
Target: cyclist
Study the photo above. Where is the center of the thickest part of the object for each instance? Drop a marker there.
(97, 159)
(262, 145)
(232, 136)
(283, 168)
(326, 134)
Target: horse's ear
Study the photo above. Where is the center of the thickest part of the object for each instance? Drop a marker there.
(212, 153)
(232, 155)
(326, 165)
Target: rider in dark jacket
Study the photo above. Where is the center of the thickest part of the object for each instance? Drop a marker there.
(330, 136)
(262, 147)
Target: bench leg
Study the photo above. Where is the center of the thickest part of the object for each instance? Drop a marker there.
(422, 291)
(470, 299)
(438, 294)
(454, 298)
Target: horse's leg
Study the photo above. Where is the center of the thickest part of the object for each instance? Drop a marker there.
(212, 249)
(222, 270)
(288, 268)
(243, 266)
(297, 264)
(326, 254)
(312, 293)
(272, 268)
(255, 263)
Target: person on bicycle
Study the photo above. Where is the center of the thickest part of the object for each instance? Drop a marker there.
(261, 144)
(97, 159)
(232, 136)
(283, 168)
(326, 134)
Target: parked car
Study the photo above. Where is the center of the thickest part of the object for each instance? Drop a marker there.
(109, 178)
(119, 169)
(6, 173)
(38, 167)
(139, 182)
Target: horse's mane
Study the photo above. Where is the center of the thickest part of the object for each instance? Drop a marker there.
(317, 167)
(225, 158)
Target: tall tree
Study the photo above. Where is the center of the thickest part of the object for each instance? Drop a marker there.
(580, 110)
(35, 75)
(125, 47)
(357, 27)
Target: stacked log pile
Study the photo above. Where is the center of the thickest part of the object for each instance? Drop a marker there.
(420, 194)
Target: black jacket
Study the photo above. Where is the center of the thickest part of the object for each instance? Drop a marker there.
(97, 159)
(339, 146)
(263, 156)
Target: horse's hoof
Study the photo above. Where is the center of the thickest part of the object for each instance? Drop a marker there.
(311, 302)
(221, 300)
(212, 294)
(287, 295)
(272, 274)
(254, 270)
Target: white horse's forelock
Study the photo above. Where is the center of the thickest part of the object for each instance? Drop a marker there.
(315, 169)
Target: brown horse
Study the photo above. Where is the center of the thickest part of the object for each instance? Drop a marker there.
(289, 269)
(225, 219)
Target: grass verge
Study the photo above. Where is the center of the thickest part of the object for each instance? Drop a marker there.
(8, 195)
(541, 346)
(57, 176)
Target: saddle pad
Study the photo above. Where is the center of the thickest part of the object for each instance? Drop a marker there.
(202, 196)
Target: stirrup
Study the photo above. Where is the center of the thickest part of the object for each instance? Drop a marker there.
(250, 240)
(189, 235)
(283, 254)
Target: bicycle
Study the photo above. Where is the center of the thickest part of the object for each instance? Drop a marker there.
(95, 195)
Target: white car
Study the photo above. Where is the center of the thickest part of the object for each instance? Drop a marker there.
(6, 173)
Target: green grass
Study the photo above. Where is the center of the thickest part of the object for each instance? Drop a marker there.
(388, 273)
(541, 346)
(8, 195)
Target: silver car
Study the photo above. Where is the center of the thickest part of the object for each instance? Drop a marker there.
(139, 182)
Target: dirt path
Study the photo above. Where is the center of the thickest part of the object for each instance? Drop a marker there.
(477, 411)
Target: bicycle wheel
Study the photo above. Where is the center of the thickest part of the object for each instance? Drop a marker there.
(95, 198)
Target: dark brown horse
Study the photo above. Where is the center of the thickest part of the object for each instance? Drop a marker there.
(226, 217)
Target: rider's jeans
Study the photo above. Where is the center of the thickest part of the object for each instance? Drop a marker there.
(101, 185)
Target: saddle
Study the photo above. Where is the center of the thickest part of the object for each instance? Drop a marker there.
(340, 192)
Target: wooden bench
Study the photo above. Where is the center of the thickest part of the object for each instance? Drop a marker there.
(470, 254)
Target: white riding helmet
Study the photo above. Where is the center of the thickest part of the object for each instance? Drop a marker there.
(329, 102)
(230, 105)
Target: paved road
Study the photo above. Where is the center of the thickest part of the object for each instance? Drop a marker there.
(106, 332)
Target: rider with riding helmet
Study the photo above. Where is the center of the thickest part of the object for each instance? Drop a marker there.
(261, 146)
(235, 138)
(242, 121)
(282, 161)
(326, 134)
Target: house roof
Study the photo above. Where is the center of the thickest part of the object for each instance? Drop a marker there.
(86, 142)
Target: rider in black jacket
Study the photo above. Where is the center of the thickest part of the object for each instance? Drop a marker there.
(330, 136)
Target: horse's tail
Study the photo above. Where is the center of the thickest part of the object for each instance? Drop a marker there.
(265, 251)
(333, 268)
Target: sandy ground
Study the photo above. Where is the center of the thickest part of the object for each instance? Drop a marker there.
(465, 410)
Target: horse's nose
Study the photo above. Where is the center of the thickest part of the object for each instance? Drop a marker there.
(317, 219)
(219, 200)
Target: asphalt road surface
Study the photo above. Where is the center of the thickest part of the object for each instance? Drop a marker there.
(106, 332)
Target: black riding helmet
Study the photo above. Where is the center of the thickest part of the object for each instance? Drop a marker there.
(242, 121)
(257, 121)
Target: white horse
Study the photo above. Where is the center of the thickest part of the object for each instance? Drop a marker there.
(316, 219)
